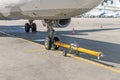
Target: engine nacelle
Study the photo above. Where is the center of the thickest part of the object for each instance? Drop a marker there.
(60, 23)
(63, 23)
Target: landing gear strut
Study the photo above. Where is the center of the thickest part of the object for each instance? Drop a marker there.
(30, 25)
(49, 41)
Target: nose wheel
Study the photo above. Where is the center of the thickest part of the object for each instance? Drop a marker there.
(49, 43)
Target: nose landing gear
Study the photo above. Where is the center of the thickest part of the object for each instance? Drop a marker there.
(49, 41)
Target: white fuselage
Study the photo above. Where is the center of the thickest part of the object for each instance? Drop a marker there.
(44, 9)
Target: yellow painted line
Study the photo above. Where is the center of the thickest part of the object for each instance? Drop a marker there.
(33, 51)
(82, 59)
(37, 44)
(95, 63)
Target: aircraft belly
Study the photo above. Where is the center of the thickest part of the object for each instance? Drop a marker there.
(43, 14)
(51, 9)
(45, 9)
(55, 14)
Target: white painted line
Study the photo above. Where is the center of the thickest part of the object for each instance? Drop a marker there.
(40, 40)
(6, 33)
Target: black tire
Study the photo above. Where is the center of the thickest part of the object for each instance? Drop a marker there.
(55, 47)
(34, 27)
(27, 27)
(48, 43)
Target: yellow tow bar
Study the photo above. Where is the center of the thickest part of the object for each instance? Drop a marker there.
(79, 49)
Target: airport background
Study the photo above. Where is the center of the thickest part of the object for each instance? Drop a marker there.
(107, 9)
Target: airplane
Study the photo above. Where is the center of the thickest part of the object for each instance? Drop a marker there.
(55, 13)
(95, 14)
(109, 15)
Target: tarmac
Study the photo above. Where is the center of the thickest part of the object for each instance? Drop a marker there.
(24, 57)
